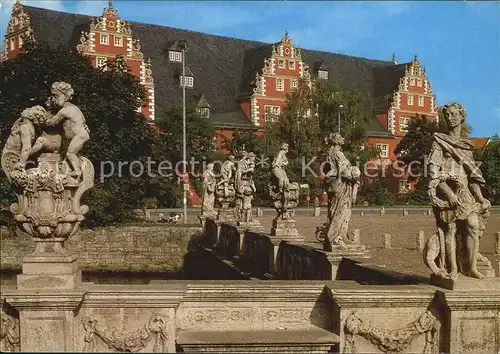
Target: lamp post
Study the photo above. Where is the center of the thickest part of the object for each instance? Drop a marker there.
(183, 47)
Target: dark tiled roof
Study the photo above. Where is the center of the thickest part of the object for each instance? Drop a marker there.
(376, 129)
(232, 120)
(386, 81)
(223, 68)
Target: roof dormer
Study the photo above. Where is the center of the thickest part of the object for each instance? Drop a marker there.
(189, 78)
(321, 70)
(203, 107)
(175, 52)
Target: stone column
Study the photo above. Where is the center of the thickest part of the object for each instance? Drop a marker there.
(46, 319)
(497, 243)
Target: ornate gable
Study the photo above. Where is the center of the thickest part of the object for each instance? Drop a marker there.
(18, 29)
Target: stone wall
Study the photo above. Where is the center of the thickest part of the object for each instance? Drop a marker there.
(126, 248)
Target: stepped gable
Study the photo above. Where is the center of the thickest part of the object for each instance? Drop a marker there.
(386, 82)
(223, 68)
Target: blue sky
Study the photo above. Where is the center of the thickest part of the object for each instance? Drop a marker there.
(458, 42)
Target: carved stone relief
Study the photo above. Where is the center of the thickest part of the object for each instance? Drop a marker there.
(9, 333)
(133, 341)
(393, 341)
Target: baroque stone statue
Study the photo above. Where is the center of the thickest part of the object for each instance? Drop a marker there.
(225, 192)
(49, 192)
(341, 183)
(208, 197)
(245, 187)
(459, 207)
(285, 195)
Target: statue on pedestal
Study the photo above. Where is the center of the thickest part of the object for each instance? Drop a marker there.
(49, 193)
(225, 192)
(208, 197)
(285, 195)
(459, 207)
(341, 184)
(245, 187)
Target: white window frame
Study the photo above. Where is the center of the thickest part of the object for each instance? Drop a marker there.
(189, 81)
(403, 123)
(410, 100)
(281, 86)
(323, 74)
(404, 187)
(412, 81)
(419, 82)
(421, 101)
(204, 112)
(118, 41)
(103, 64)
(175, 55)
(281, 63)
(104, 39)
(291, 65)
(384, 149)
(294, 84)
(271, 113)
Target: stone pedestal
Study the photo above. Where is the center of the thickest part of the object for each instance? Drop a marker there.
(226, 214)
(353, 251)
(451, 284)
(47, 319)
(474, 316)
(254, 225)
(286, 230)
(47, 272)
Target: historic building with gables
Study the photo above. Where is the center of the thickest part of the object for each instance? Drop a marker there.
(237, 84)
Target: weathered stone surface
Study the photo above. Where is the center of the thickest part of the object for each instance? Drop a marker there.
(286, 230)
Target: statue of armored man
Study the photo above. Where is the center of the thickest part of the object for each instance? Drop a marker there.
(459, 207)
(48, 189)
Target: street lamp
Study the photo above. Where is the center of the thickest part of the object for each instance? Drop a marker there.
(338, 120)
(183, 47)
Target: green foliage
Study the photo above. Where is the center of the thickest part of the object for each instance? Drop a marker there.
(109, 100)
(490, 167)
(419, 195)
(377, 193)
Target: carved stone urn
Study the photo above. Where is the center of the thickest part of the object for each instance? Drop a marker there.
(48, 207)
(49, 210)
(225, 195)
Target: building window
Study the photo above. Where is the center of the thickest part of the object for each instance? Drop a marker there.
(104, 38)
(279, 85)
(295, 84)
(101, 62)
(419, 82)
(281, 63)
(421, 101)
(384, 150)
(189, 81)
(404, 187)
(291, 65)
(410, 100)
(323, 74)
(20, 39)
(412, 81)
(271, 113)
(12, 43)
(403, 123)
(118, 41)
(204, 112)
(175, 56)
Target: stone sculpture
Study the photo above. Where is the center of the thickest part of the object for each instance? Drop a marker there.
(48, 206)
(245, 187)
(285, 195)
(225, 192)
(9, 333)
(341, 184)
(208, 197)
(459, 207)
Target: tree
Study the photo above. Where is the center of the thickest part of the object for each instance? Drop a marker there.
(490, 167)
(109, 99)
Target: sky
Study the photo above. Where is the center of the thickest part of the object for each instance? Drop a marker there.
(458, 42)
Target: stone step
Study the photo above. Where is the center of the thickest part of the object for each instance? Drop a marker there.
(281, 340)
